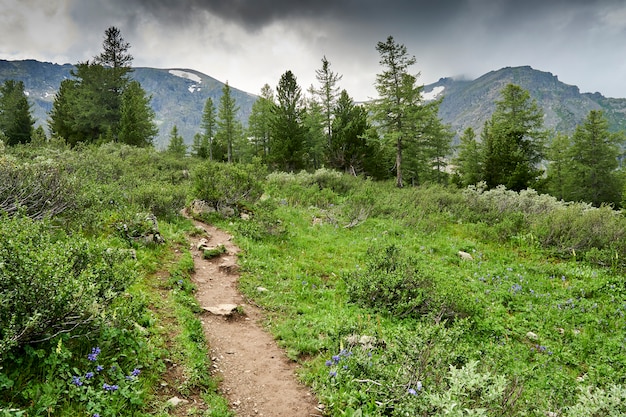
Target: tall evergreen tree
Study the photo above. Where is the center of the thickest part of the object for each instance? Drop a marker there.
(468, 164)
(560, 164)
(88, 107)
(16, 121)
(208, 125)
(593, 175)
(327, 94)
(398, 109)
(513, 141)
(287, 151)
(260, 122)
(137, 125)
(349, 148)
(313, 121)
(176, 145)
(228, 127)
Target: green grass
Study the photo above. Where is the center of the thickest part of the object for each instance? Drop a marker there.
(511, 290)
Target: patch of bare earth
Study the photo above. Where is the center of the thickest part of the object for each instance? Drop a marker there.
(257, 377)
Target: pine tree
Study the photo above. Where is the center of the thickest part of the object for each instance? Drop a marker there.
(228, 127)
(176, 145)
(287, 151)
(137, 125)
(349, 149)
(468, 164)
(327, 93)
(16, 121)
(593, 176)
(513, 141)
(260, 122)
(398, 109)
(209, 121)
(559, 157)
(88, 106)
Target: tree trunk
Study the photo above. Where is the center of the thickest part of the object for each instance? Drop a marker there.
(399, 183)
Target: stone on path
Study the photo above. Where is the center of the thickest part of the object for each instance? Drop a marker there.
(221, 309)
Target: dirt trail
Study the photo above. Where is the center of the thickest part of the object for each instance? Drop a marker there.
(257, 377)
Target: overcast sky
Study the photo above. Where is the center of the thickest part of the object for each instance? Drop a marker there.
(252, 42)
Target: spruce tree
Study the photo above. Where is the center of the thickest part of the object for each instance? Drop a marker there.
(176, 145)
(287, 152)
(260, 122)
(208, 125)
(398, 109)
(592, 175)
(468, 163)
(137, 125)
(513, 141)
(228, 127)
(16, 121)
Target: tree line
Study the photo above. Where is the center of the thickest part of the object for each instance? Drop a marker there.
(396, 135)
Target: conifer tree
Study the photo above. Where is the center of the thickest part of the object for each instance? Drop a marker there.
(327, 94)
(176, 145)
(592, 175)
(16, 121)
(228, 127)
(260, 122)
(398, 109)
(468, 163)
(513, 141)
(287, 151)
(137, 125)
(209, 121)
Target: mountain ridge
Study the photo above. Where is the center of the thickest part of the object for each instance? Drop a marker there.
(469, 103)
(176, 99)
(179, 94)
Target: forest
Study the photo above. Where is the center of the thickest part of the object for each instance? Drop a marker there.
(487, 278)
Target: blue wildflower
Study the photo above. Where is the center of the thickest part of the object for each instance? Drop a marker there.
(96, 415)
(77, 381)
(93, 356)
(135, 372)
(110, 388)
(89, 375)
(329, 363)
(412, 391)
(336, 358)
(332, 374)
(99, 368)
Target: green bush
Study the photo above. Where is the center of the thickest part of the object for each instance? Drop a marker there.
(38, 189)
(391, 283)
(51, 283)
(226, 185)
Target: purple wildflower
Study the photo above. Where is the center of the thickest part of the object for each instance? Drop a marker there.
(412, 391)
(336, 358)
(99, 368)
(89, 375)
(93, 356)
(329, 363)
(77, 381)
(332, 374)
(108, 387)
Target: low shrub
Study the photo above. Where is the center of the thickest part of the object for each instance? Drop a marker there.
(226, 185)
(52, 283)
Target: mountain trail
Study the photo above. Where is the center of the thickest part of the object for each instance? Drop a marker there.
(256, 376)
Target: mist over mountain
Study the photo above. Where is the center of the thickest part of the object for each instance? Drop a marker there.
(469, 103)
(179, 95)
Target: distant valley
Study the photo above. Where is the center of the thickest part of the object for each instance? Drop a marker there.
(179, 95)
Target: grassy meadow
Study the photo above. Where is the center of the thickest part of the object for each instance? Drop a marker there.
(363, 284)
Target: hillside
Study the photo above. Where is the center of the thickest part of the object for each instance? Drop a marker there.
(470, 103)
(178, 95)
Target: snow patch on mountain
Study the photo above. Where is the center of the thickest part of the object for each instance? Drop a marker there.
(186, 75)
(434, 93)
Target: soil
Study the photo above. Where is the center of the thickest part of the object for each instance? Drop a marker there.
(257, 377)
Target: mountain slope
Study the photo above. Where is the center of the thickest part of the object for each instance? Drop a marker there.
(470, 103)
(178, 95)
